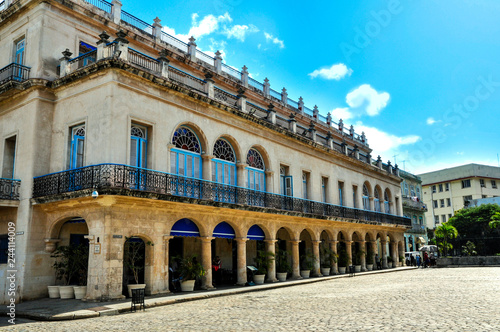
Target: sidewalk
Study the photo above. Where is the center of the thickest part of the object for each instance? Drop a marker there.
(57, 309)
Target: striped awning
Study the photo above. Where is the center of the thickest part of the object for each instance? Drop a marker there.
(185, 227)
(224, 230)
(255, 233)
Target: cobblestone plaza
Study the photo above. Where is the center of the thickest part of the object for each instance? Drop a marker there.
(453, 299)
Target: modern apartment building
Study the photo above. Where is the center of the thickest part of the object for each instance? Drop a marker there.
(112, 129)
(448, 190)
(414, 208)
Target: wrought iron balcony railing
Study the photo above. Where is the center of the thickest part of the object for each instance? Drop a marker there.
(115, 176)
(9, 189)
(414, 205)
(14, 72)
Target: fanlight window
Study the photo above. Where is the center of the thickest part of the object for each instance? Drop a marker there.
(223, 150)
(365, 190)
(138, 132)
(377, 195)
(79, 131)
(254, 159)
(386, 196)
(185, 139)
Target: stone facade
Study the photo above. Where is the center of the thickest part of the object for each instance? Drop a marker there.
(414, 208)
(139, 135)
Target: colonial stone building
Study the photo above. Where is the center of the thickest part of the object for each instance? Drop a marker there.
(413, 208)
(112, 129)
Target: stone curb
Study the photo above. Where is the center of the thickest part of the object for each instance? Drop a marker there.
(115, 309)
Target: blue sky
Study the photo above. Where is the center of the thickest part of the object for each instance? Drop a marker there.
(421, 78)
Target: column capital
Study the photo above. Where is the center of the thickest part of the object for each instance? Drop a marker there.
(294, 241)
(166, 238)
(241, 239)
(269, 172)
(316, 241)
(241, 165)
(207, 157)
(348, 242)
(271, 241)
(206, 238)
(333, 241)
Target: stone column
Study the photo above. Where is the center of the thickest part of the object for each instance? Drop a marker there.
(284, 97)
(271, 269)
(373, 244)
(315, 247)
(218, 62)
(192, 49)
(394, 252)
(207, 166)
(292, 124)
(241, 261)
(121, 50)
(65, 68)
(267, 87)
(333, 247)
(362, 245)
(101, 45)
(244, 76)
(271, 114)
(166, 261)
(164, 62)
(348, 248)
(157, 28)
(206, 261)
(242, 101)
(209, 85)
(241, 176)
(384, 253)
(295, 259)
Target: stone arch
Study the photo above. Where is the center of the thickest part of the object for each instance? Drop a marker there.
(234, 144)
(312, 234)
(237, 228)
(369, 188)
(55, 226)
(267, 232)
(199, 134)
(263, 152)
(202, 227)
(331, 235)
(388, 194)
(145, 276)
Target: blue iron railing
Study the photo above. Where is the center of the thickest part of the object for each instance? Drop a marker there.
(115, 176)
(138, 23)
(9, 189)
(14, 72)
(83, 60)
(101, 4)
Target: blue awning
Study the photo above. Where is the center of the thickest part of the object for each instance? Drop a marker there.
(76, 220)
(256, 233)
(224, 230)
(185, 227)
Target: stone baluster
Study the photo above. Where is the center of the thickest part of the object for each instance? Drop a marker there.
(218, 62)
(284, 97)
(389, 167)
(244, 76)
(329, 119)
(267, 88)
(116, 11)
(379, 162)
(301, 104)
(329, 140)
(121, 50)
(65, 67)
(192, 49)
(101, 46)
(315, 112)
(157, 28)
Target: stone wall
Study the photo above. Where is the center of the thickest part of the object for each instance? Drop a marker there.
(469, 261)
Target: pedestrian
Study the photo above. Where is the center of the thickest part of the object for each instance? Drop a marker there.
(426, 259)
(216, 266)
(418, 261)
(377, 260)
(412, 260)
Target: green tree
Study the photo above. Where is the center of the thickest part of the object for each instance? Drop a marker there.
(445, 233)
(495, 220)
(469, 249)
(473, 222)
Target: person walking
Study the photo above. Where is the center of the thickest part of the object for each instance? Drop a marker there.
(418, 261)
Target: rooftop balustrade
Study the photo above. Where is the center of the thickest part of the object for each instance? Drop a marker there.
(132, 179)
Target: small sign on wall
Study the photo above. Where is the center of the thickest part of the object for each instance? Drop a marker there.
(97, 248)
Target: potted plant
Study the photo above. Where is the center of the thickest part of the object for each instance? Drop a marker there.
(189, 270)
(358, 258)
(401, 260)
(262, 261)
(133, 259)
(328, 257)
(369, 259)
(343, 261)
(307, 264)
(283, 266)
(66, 267)
(389, 261)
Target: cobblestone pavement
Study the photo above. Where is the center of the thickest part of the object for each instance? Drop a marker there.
(449, 299)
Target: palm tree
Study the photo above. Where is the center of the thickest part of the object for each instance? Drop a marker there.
(446, 232)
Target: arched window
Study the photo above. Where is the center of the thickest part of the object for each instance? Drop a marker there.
(376, 201)
(366, 198)
(185, 157)
(387, 206)
(138, 146)
(77, 147)
(256, 175)
(224, 163)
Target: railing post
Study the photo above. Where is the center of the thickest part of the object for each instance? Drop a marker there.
(396, 170)
(267, 87)
(389, 167)
(192, 49)
(351, 131)
(157, 28)
(271, 114)
(284, 97)
(64, 61)
(329, 119)
(209, 86)
(116, 11)
(379, 162)
(164, 63)
(329, 140)
(101, 45)
(356, 152)
(363, 138)
(292, 123)
(121, 50)
(312, 131)
(315, 112)
(244, 76)
(301, 104)
(341, 126)
(218, 62)
(242, 101)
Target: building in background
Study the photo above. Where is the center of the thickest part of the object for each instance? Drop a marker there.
(415, 209)
(129, 134)
(448, 190)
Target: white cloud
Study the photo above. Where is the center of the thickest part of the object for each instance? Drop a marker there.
(240, 31)
(366, 95)
(335, 72)
(382, 142)
(216, 46)
(207, 25)
(430, 121)
(274, 40)
(341, 113)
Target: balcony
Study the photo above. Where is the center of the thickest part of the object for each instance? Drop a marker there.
(14, 72)
(9, 189)
(417, 229)
(410, 204)
(115, 179)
